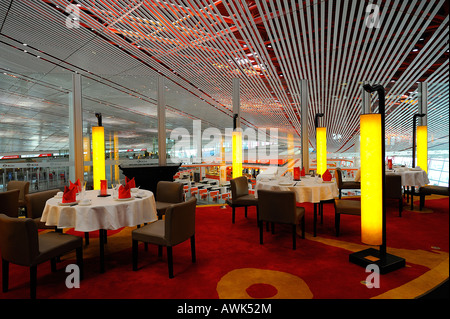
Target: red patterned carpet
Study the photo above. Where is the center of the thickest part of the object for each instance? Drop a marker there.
(231, 264)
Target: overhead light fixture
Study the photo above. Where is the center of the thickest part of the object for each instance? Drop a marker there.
(98, 152)
(373, 191)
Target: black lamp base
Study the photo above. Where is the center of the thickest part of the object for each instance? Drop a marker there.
(369, 256)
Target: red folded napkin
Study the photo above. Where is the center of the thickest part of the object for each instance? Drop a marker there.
(326, 177)
(124, 191)
(70, 194)
(302, 173)
(130, 182)
(76, 185)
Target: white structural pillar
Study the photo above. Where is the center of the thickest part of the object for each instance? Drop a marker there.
(76, 155)
(161, 112)
(304, 123)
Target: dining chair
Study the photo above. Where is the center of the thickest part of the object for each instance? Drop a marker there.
(9, 201)
(167, 194)
(344, 185)
(394, 190)
(348, 207)
(177, 226)
(36, 204)
(430, 190)
(240, 196)
(23, 187)
(21, 244)
(280, 207)
(35, 208)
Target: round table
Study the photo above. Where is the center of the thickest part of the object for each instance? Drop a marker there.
(411, 177)
(308, 190)
(102, 213)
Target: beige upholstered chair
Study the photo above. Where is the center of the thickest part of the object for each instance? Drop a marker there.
(177, 227)
(394, 190)
(9, 203)
(280, 207)
(240, 196)
(344, 185)
(36, 204)
(20, 244)
(167, 194)
(24, 188)
(349, 207)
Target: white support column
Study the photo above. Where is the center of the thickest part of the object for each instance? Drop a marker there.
(304, 123)
(76, 170)
(161, 122)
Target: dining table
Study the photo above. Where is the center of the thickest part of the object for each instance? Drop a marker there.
(411, 178)
(94, 212)
(414, 177)
(308, 189)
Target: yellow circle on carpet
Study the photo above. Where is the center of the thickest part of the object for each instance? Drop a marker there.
(233, 285)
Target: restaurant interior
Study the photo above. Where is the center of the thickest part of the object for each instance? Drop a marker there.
(224, 150)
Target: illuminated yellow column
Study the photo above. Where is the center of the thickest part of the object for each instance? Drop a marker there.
(371, 179)
(98, 154)
(290, 146)
(422, 147)
(87, 152)
(321, 149)
(116, 157)
(223, 166)
(237, 153)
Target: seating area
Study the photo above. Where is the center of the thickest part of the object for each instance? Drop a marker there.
(232, 150)
(175, 224)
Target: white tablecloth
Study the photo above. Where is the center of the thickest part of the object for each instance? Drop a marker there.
(411, 177)
(309, 189)
(102, 213)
